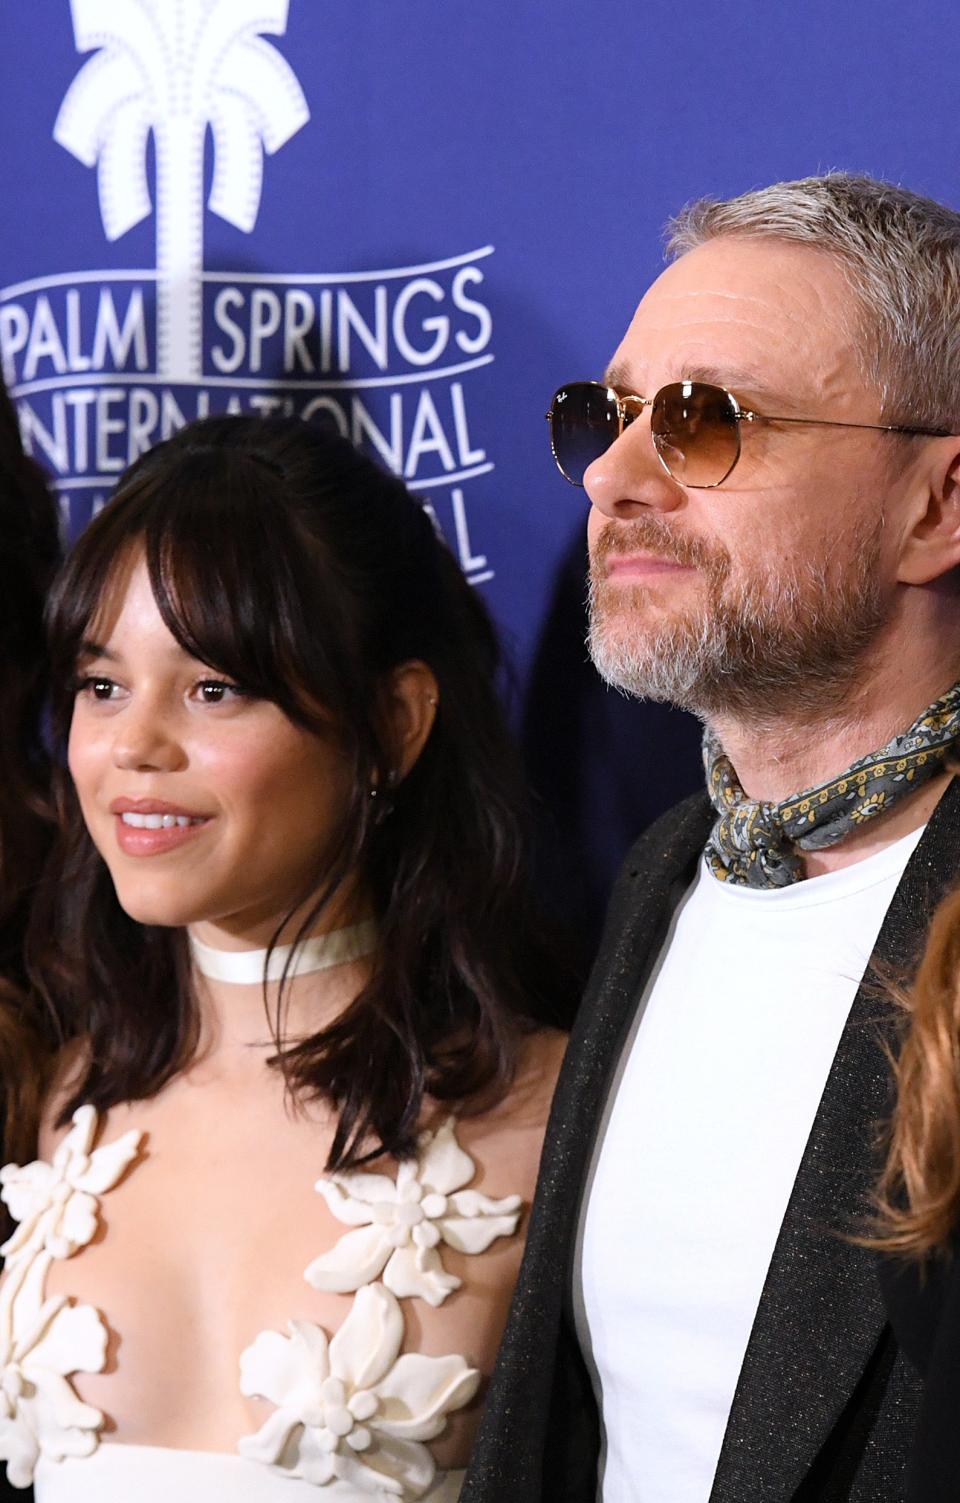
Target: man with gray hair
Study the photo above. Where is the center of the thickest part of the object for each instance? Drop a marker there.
(774, 475)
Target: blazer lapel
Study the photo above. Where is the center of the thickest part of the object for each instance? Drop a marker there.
(820, 1316)
(518, 1434)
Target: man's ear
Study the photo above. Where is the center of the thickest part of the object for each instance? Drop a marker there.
(411, 697)
(931, 547)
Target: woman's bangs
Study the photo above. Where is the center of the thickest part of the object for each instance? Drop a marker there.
(92, 575)
(218, 555)
(217, 552)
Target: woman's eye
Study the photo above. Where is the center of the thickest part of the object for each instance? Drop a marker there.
(217, 691)
(96, 687)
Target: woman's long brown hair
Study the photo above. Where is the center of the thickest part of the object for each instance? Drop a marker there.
(919, 1192)
(29, 548)
(288, 561)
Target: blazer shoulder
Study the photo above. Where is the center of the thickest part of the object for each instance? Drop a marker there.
(939, 847)
(676, 837)
(664, 856)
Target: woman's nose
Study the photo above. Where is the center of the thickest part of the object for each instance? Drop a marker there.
(146, 741)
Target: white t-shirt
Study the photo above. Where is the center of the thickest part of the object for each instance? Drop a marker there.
(705, 1130)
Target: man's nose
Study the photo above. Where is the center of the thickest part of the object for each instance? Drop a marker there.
(146, 740)
(628, 478)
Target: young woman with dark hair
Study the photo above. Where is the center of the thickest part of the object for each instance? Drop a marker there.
(284, 934)
(29, 551)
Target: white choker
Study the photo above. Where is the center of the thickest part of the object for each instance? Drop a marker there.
(250, 968)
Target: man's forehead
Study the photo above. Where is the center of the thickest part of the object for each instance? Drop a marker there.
(758, 316)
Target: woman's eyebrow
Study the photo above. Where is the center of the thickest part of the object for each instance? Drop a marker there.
(90, 649)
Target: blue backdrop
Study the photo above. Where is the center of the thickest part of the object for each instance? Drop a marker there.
(419, 217)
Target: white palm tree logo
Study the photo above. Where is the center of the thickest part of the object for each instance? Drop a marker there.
(174, 67)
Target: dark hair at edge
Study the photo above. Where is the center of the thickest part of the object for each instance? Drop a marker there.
(286, 560)
(29, 553)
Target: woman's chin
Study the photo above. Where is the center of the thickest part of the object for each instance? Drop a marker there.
(159, 912)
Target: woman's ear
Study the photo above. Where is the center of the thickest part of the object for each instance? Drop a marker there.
(410, 704)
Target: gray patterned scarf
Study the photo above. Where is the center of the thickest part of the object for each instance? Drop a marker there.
(755, 843)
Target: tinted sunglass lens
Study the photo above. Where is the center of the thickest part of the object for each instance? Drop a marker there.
(583, 424)
(696, 433)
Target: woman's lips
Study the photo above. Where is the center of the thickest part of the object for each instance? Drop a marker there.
(149, 827)
(135, 840)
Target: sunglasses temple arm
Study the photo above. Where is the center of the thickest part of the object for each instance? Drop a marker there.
(764, 417)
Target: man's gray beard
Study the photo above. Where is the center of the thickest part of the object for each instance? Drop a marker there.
(788, 641)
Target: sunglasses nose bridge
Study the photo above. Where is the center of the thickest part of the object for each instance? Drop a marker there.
(630, 408)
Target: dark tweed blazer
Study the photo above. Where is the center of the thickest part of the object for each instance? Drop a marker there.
(825, 1405)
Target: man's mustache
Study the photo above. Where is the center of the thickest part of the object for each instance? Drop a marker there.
(650, 534)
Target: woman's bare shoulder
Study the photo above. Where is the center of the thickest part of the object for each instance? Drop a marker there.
(525, 1104)
(505, 1139)
(541, 1056)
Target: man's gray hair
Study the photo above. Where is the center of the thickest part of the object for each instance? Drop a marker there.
(901, 255)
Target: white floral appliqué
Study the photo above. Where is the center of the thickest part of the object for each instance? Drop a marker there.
(56, 1203)
(401, 1223)
(43, 1340)
(352, 1409)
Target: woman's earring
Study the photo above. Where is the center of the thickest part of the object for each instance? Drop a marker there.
(374, 792)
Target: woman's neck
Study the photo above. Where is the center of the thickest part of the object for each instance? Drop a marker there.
(238, 1012)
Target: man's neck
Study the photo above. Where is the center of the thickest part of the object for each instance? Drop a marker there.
(777, 759)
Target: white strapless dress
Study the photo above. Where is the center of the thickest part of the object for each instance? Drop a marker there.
(351, 1411)
(155, 1474)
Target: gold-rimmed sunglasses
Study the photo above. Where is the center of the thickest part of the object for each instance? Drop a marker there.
(695, 428)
